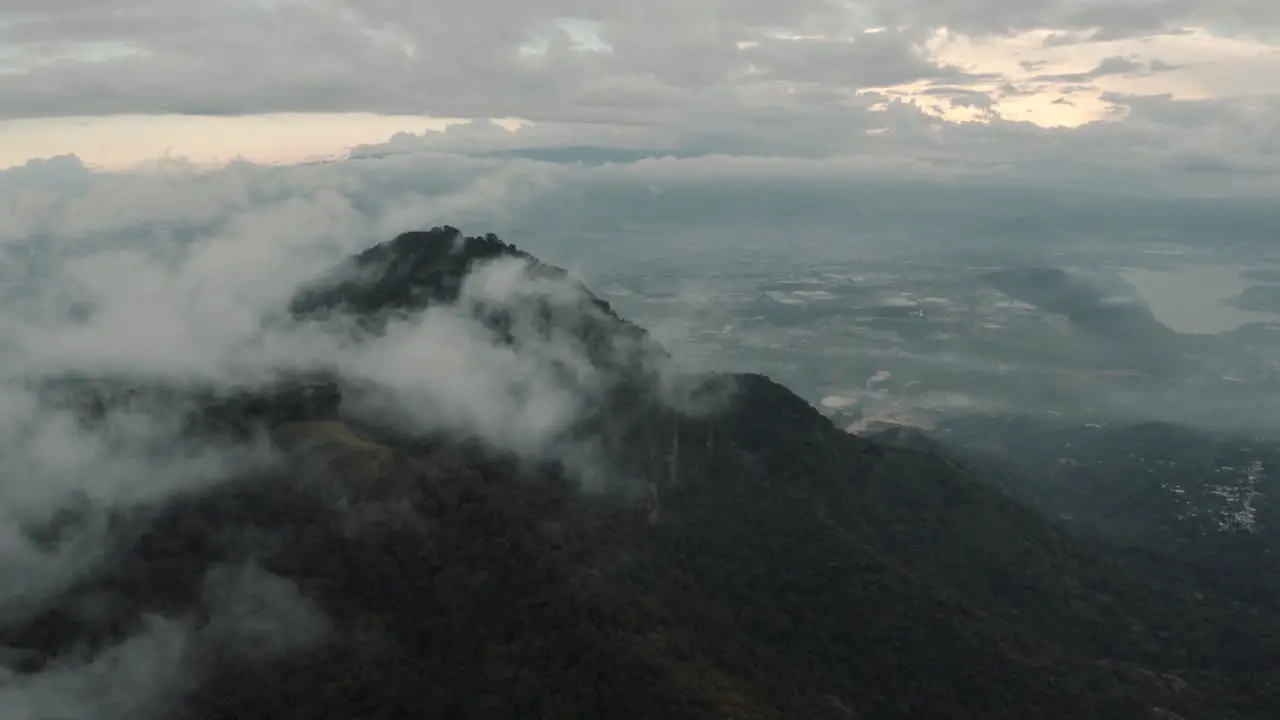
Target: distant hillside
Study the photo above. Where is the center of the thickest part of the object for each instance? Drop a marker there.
(1121, 335)
(1195, 497)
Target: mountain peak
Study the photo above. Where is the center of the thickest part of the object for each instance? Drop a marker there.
(422, 268)
(406, 273)
(793, 570)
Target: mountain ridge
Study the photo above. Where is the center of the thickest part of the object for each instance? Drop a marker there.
(755, 561)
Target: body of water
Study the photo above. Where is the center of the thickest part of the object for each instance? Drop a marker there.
(1193, 298)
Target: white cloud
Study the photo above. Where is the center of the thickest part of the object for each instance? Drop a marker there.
(129, 680)
(435, 58)
(251, 615)
(748, 77)
(182, 275)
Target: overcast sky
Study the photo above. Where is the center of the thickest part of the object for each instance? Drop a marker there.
(1188, 87)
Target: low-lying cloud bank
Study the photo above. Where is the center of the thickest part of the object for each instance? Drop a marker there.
(177, 277)
(245, 613)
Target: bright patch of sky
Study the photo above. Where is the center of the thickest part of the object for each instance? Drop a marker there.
(583, 35)
(281, 81)
(121, 141)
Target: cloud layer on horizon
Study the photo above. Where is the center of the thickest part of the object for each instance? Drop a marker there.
(561, 60)
(812, 78)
